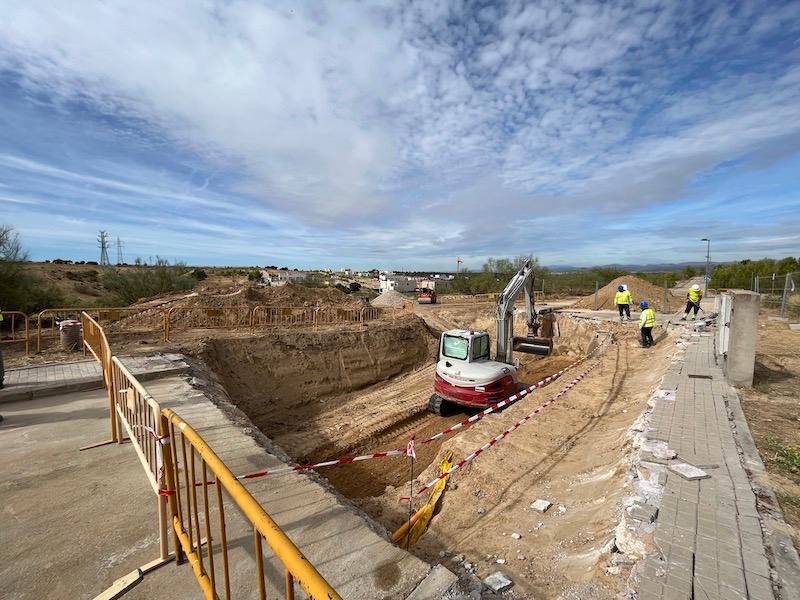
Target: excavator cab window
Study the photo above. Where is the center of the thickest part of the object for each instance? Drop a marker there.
(456, 347)
(480, 347)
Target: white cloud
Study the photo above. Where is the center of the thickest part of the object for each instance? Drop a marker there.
(393, 120)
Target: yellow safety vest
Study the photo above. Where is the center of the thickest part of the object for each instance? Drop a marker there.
(695, 296)
(1, 314)
(623, 298)
(648, 318)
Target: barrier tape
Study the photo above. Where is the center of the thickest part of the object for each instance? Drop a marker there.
(503, 435)
(404, 451)
(511, 399)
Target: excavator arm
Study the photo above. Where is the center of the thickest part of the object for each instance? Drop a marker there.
(521, 283)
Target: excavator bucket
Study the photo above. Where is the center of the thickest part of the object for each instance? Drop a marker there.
(534, 345)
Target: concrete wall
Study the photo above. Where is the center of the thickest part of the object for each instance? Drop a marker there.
(740, 322)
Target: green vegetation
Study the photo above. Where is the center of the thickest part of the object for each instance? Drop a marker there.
(785, 457)
(497, 271)
(127, 287)
(788, 499)
(740, 274)
(20, 289)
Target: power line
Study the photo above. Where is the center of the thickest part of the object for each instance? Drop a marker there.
(102, 241)
(120, 258)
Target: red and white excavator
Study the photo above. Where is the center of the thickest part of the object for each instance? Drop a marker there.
(465, 373)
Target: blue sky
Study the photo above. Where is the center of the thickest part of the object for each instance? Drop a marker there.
(401, 135)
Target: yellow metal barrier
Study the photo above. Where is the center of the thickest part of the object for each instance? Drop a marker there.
(188, 475)
(12, 317)
(181, 318)
(94, 340)
(117, 320)
(281, 316)
(140, 416)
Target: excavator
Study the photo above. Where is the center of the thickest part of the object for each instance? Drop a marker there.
(465, 373)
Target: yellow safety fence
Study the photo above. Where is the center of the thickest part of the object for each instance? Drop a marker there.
(141, 320)
(192, 486)
(200, 484)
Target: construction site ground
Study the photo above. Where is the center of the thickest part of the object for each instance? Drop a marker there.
(309, 395)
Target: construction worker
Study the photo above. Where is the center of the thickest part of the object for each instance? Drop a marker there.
(646, 322)
(693, 297)
(623, 301)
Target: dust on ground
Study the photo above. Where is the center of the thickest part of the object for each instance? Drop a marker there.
(772, 408)
(639, 289)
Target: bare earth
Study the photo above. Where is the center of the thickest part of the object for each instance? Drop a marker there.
(772, 408)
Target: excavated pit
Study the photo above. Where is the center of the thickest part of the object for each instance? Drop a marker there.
(352, 390)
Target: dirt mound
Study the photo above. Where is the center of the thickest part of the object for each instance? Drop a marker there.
(639, 289)
(390, 299)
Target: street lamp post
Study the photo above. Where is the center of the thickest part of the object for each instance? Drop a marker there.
(708, 256)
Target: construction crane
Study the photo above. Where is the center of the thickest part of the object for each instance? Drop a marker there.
(466, 374)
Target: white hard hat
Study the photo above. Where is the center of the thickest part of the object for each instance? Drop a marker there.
(695, 287)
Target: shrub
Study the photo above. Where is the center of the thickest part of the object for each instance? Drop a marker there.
(131, 286)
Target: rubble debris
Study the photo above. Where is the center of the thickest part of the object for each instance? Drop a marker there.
(497, 582)
(541, 505)
(646, 513)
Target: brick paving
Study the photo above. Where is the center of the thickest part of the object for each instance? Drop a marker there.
(708, 531)
(57, 378)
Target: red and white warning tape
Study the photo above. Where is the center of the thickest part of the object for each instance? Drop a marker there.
(511, 399)
(404, 451)
(504, 434)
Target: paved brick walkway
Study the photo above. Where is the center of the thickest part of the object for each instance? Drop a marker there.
(708, 531)
(58, 378)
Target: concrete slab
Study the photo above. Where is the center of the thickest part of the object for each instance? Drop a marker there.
(435, 585)
(498, 582)
(40, 381)
(76, 529)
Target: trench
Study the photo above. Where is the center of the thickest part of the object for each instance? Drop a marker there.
(352, 390)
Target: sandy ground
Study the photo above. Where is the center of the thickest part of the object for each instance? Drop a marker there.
(772, 408)
(575, 454)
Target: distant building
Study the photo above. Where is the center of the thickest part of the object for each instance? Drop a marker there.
(282, 277)
(398, 283)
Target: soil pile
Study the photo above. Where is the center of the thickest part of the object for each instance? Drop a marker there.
(639, 289)
(390, 299)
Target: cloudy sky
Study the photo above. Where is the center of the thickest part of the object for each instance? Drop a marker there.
(402, 134)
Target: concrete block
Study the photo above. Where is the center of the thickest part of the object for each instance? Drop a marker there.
(779, 319)
(689, 472)
(794, 326)
(435, 585)
(646, 513)
(739, 361)
(541, 505)
(497, 582)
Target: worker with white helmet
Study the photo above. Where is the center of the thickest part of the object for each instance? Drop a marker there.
(693, 298)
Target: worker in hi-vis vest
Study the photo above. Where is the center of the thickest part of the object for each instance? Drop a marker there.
(693, 297)
(623, 301)
(647, 321)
